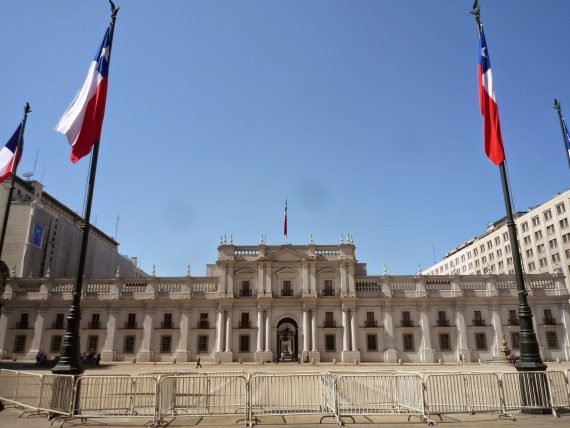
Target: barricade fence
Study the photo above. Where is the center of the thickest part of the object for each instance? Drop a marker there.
(160, 396)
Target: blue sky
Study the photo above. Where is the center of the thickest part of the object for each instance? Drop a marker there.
(363, 113)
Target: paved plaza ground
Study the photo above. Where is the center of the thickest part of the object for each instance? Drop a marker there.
(10, 417)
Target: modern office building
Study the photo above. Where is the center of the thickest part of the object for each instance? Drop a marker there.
(544, 243)
(43, 237)
(289, 302)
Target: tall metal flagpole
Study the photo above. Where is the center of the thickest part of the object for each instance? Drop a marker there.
(69, 362)
(19, 147)
(530, 359)
(558, 108)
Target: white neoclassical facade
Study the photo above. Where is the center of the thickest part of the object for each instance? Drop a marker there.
(287, 303)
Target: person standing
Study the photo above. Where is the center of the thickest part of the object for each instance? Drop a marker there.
(198, 365)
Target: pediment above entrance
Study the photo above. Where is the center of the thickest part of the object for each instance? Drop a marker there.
(327, 271)
(286, 254)
(245, 271)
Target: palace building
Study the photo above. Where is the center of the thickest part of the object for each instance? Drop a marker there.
(286, 303)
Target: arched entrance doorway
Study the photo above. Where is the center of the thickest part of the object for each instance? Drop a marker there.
(287, 340)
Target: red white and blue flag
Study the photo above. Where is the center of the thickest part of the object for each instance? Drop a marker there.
(488, 104)
(10, 156)
(83, 119)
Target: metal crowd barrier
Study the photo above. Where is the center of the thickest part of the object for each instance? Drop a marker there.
(463, 393)
(288, 394)
(535, 391)
(220, 394)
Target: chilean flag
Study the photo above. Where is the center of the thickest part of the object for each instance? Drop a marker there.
(83, 119)
(488, 104)
(10, 156)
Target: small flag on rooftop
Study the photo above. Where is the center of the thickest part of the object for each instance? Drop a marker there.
(10, 155)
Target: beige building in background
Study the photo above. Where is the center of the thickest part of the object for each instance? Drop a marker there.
(44, 236)
(544, 242)
(287, 303)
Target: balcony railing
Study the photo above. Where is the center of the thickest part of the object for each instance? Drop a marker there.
(131, 325)
(166, 324)
(329, 324)
(407, 323)
(245, 292)
(58, 325)
(203, 324)
(443, 323)
(286, 292)
(245, 324)
(370, 323)
(513, 321)
(94, 325)
(327, 292)
(479, 323)
(549, 321)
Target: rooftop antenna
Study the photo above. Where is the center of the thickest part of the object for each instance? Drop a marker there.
(42, 176)
(117, 227)
(27, 175)
(36, 160)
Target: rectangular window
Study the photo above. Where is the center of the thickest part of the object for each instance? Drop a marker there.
(524, 227)
(92, 343)
(515, 338)
(547, 215)
(244, 342)
(328, 290)
(20, 343)
(59, 321)
(552, 243)
(529, 252)
(543, 262)
(480, 341)
(505, 236)
(371, 342)
(245, 322)
(550, 229)
(482, 248)
(555, 258)
(330, 345)
(329, 320)
(408, 342)
(531, 266)
(509, 261)
(203, 323)
(497, 240)
(167, 320)
(563, 223)
(538, 234)
(444, 342)
(475, 252)
(566, 238)
(202, 344)
(287, 288)
(406, 319)
(513, 318)
(489, 245)
(131, 321)
(535, 221)
(55, 344)
(540, 248)
(560, 208)
(165, 344)
(24, 321)
(508, 249)
(552, 340)
(500, 264)
(526, 240)
(245, 290)
(370, 321)
(129, 345)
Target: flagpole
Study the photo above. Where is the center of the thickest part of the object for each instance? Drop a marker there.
(530, 359)
(19, 147)
(558, 108)
(69, 362)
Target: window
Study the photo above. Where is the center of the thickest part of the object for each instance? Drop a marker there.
(566, 238)
(515, 340)
(552, 243)
(330, 345)
(567, 253)
(165, 344)
(543, 262)
(244, 342)
(20, 343)
(548, 319)
(24, 320)
(444, 342)
(500, 264)
(287, 288)
(480, 341)
(468, 254)
(509, 261)
(552, 340)
(408, 341)
(477, 263)
(524, 227)
(131, 321)
(95, 322)
(540, 248)
(535, 221)
(538, 234)
(489, 245)
(550, 229)
(406, 319)
(560, 208)
(513, 318)
(529, 252)
(505, 236)
(547, 215)
(563, 223)
(499, 253)
(203, 323)
(92, 343)
(129, 345)
(491, 256)
(442, 320)
(370, 321)
(371, 342)
(55, 344)
(328, 290)
(477, 315)
(526, 240)
(329, 320)
(531, 266)
(245, 322)
(202, 343)
(245, 289)
(555, 258)
(508, 249)
(58, 321)
(482, 248)
(484, 259)
(475, 252)
(497, 241)
(167, 320)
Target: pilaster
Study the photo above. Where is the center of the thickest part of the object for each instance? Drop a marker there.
(39, 329)
(182, 353)
(145, 352)
(108, 353)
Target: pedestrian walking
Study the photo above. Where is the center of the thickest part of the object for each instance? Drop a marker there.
(198, 365)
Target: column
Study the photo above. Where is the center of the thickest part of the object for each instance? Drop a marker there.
(314, 330)
(259, 330)
(267, 331)
(145, 353)
(564, 313)
(260, 277)
(219, 330)
(344, 330)
(427, 351)
(305, 330)
(230, 281)
(497, 330)
(3, 331)
(108, 352)
(462, 347)
(342, 279)
(267, 286)
(351, 284)
(313, 279)
(182, 351)
(305, 276)
(38, 330)
(229, 331)
(353, 329)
